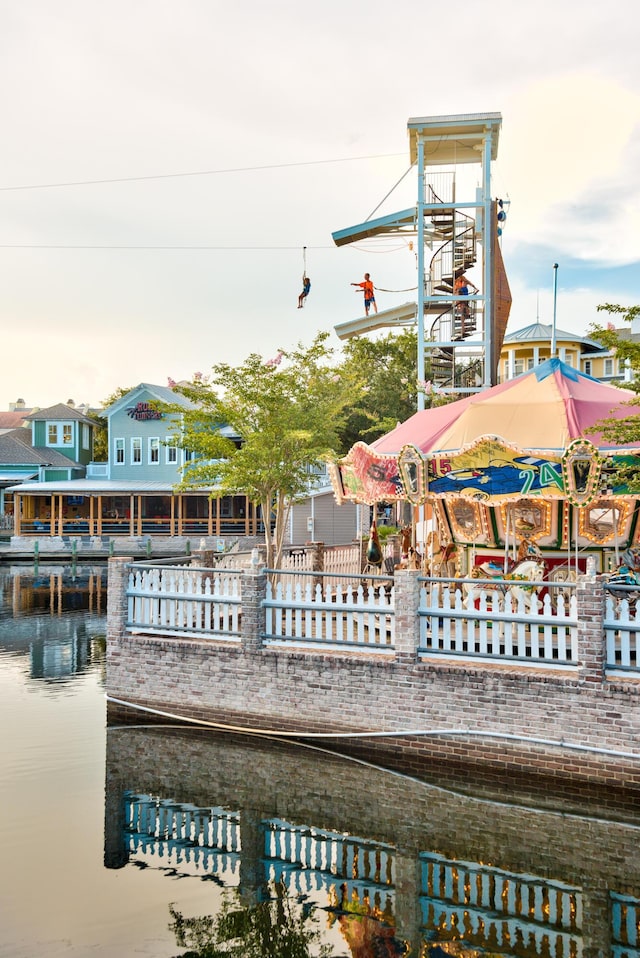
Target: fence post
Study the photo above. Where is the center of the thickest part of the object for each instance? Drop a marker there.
(203, 558)
(252, 620)
(591, 643)
(407, 623)
(117, 577)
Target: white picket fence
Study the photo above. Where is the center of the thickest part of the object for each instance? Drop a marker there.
(456, 618)
(184, 601)
(327, 617)
(487, 623)
(622, 634)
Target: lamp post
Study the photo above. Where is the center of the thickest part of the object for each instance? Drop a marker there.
(555, 299)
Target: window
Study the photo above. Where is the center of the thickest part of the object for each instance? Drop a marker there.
(172, 455)
(85, 436)
(154, 451)
(67, 434)
(608, 367)
(52, 434)
(587, 367)
(136, 452)
(189, 455)
(518, 367)
(118, 450)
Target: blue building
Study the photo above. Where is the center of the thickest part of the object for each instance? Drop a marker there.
(133, 493)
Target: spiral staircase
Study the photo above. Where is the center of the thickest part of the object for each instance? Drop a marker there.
(457, 252)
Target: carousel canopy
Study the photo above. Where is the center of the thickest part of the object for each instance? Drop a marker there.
(544, 409)
(526, 437)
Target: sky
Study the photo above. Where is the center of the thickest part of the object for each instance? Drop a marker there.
(169, 168)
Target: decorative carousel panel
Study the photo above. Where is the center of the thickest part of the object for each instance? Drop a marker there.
(581, 466)
(490, 470)
(532, 520)
(605, 520)
(370, 477)
(413, 471)
(616, 471)
(336, 481)
(468, 520)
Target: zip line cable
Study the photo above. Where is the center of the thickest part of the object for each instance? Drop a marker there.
(170, 176)
(240, 249)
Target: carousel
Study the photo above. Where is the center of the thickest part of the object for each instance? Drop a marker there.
(509, 475)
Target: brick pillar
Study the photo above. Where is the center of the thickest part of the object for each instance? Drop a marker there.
(591, 644)
(117, 577)
(407, 908)
(407, 600)
(252, 623)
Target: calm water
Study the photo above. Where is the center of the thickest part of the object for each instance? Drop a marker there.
(104, 829)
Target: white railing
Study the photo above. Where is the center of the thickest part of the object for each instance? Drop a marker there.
(343, 560)
(173, 600)
(98, 470)
(625, 926)
(360, 617)
(622, 632)
(465, 619)
(308, 858)
(497, 908)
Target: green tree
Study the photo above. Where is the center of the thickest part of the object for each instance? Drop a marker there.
(287, 414)
(626, 430)
(101, 432)
(388, 367)
(275, 928)
(626, 348)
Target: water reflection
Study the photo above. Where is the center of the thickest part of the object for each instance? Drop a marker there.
(392, 865)
(38, 619)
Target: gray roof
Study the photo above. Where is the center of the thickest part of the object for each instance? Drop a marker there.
(16, 450)
(541, 332)
(59, 411)
(163, 394)
(109, 487)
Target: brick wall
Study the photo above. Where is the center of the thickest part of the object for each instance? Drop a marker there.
(249, 686)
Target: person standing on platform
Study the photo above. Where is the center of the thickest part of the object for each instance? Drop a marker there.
(369, 299)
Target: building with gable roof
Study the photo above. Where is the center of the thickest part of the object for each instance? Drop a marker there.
(528, 347)
(133, 493)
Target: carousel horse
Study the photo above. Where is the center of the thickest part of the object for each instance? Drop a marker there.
(528, 567)
(627, 574)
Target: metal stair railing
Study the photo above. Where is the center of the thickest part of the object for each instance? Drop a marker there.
(457, 253)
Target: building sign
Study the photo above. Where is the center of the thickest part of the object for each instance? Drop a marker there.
(144, 410)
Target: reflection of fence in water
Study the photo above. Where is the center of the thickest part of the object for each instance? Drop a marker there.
(172, 835)
(309, 859)
(491, 908)
(625, 926)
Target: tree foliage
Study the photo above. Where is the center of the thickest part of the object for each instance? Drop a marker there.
(275, 928)
(101, 430)
(626, 348)
(286, 413)
(627, 430)
(389, 367)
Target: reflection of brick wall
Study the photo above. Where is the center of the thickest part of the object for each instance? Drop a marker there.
(306, 787)
(250, 686)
